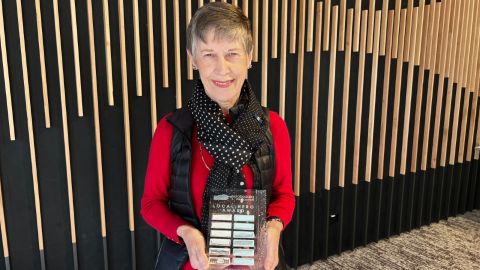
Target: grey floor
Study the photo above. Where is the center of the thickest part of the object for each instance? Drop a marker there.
(449, 244)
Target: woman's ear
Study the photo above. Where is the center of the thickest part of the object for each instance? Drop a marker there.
(192, 59)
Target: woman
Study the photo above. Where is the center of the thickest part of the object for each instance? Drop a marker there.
(222, 139)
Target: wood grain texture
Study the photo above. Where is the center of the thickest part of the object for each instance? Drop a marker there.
(76, 57)
(386, 86)
(151, 68)
(96, 118)
(245, 8)
(396, 28)
(283, 60)
(126, 117)
(373, 97)
(371, 18)
(460, 42)
(178, 64)
(408, 32)
(467, 75)
(138, 56)
(326, 25)
(311, 12)
(435, 9)
(293, 25)
(421, 73)
(356, 25)
(398, 90)
(43, 71)
(383, 27)
(444, 25)
(188, 17)
(108, 52)
(255, 30)
(450, 71)
(298, 115)
(316, 89)
(274, 29)
(164, 37)
(6, 77)
(420, 30)
(359, 105)
(264, 53)
(466, 44)
(346, 90)
(330, 100)
(341, 26)
(408, 94)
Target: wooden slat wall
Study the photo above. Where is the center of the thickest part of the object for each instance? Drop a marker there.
(79, 115)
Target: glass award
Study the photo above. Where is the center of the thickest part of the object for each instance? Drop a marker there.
(236, 230)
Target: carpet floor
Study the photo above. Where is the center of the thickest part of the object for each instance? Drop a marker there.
(449, 244)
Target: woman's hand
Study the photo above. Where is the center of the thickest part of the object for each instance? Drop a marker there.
(274, 228)
(195, 243)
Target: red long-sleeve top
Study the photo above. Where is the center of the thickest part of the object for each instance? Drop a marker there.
(154, 205)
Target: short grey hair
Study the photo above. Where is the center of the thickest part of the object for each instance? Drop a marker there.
(226, 20)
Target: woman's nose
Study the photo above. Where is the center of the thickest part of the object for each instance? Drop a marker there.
(222, 65)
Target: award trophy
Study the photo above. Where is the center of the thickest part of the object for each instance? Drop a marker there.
(236, 236)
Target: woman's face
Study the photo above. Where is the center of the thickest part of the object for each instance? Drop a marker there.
(223, 66)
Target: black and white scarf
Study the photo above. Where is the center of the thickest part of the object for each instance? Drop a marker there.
(232, 145)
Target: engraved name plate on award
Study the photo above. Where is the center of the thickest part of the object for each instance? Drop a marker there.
(236, 235)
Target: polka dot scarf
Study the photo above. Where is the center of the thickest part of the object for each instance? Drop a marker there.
(232, 145)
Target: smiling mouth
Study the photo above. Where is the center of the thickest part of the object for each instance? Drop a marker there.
(223, 84)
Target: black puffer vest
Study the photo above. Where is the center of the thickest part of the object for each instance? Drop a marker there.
(171, 255)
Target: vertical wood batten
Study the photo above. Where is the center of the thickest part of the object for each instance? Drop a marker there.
(244, 7)
(359, 105)
(408, 32)
(96, 119)
(6, 76)
(326, 25)
(341, 26)
(419, 33)
(311, 12)
(3, 227)
(76, 58)
(274, 29)
(473, 77)
(450, 71)
(373, 97)
(126, 126)
(298, 118)
(398, 90)
(346, 88)
(163, 15)
(446, 7)
(433, 36)
(386, 86)
(371, 18)
(151, 67)
(66, 142)
(396, 28)
(138, 56)
(178, 64)
(421, 73)
(383, 27)
(188, 17)
(331, 96)
(264, 52)
(293, 25)
(316, 89)
(408, 94)
(108, 52)
(470, 43)
(356, 25)
(460, 41)
(255, 31)
(283, 60)
(41, 54)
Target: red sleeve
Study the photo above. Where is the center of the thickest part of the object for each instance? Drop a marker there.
(282, 201)
(154, 205)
